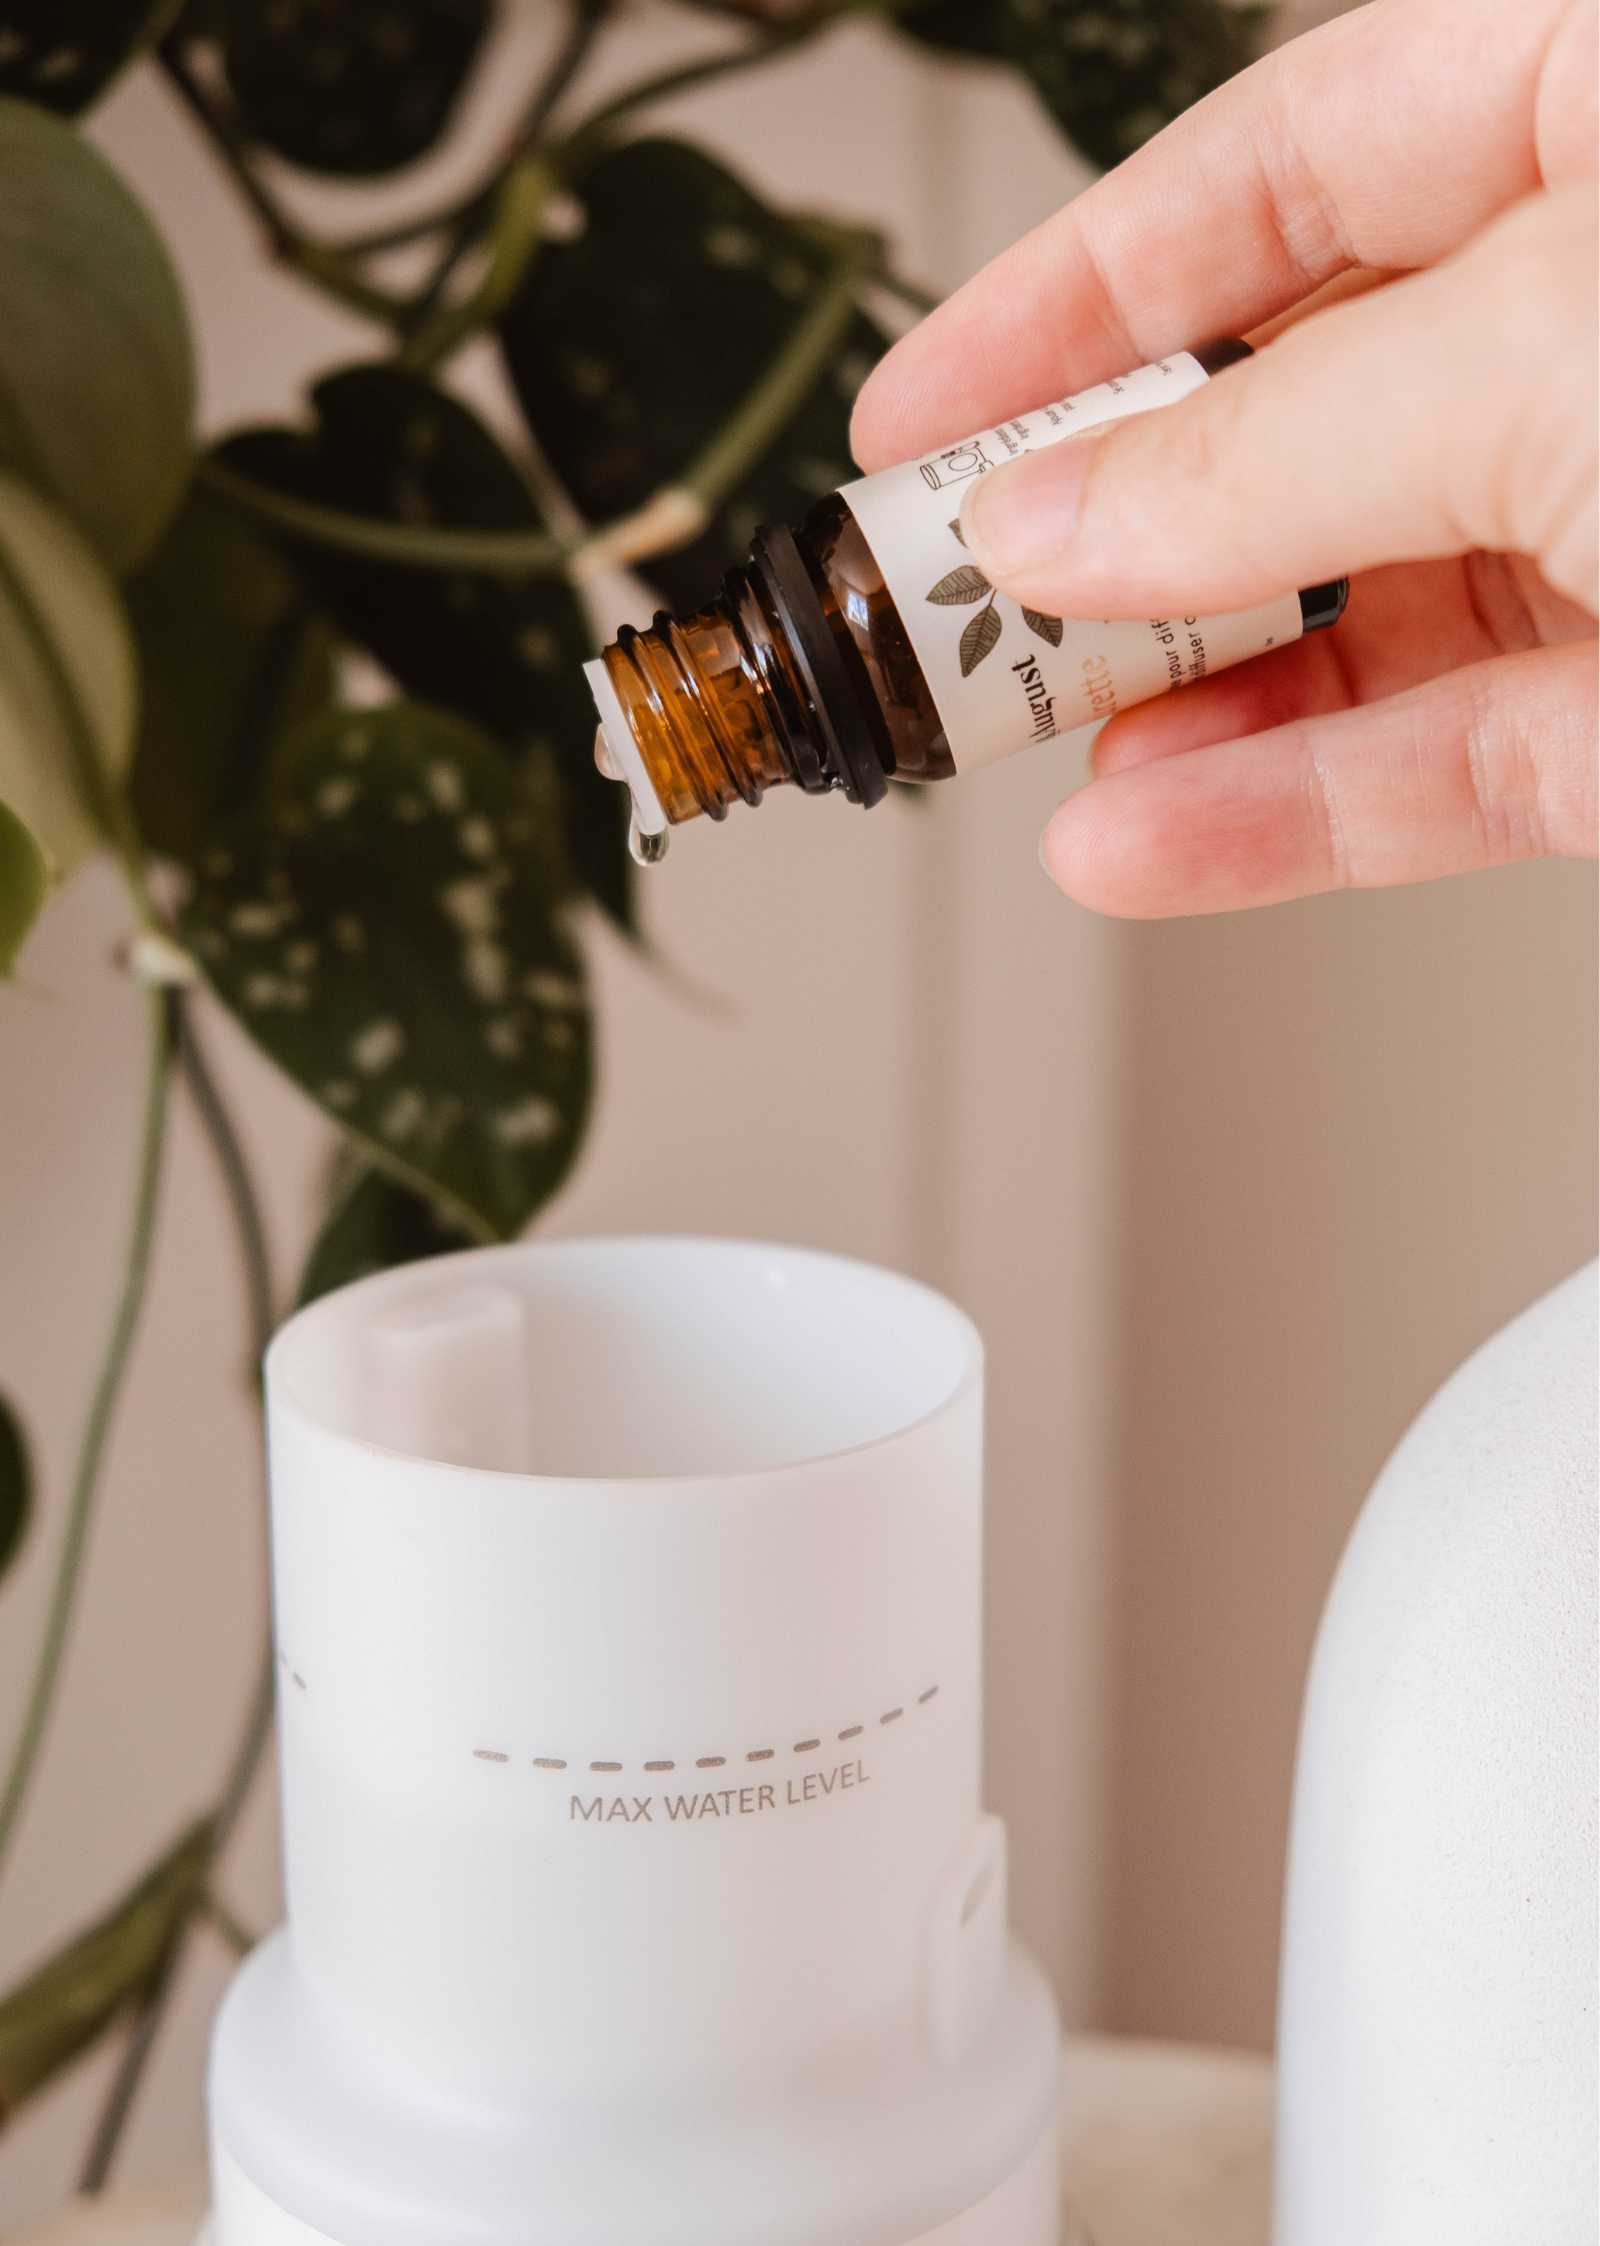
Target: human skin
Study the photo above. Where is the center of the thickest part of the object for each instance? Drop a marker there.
(1400, 210)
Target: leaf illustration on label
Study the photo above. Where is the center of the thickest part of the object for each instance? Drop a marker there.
(1047, 627)
(978, 640)
(960, 533)
(961, 588)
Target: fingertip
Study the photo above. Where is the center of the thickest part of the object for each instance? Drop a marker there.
(863, 448)
(1207, 833)
(877, 413)
(1084, 858)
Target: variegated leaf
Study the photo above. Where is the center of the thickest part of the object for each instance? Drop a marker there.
(391, 928)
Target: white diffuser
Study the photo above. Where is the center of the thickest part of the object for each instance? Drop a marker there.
(639, 1891)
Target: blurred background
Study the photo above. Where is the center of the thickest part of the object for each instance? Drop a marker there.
(1228, 1198)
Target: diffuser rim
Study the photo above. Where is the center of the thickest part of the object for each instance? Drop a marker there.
(284, 1400)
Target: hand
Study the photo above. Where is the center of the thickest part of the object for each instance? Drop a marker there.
(1407, 196)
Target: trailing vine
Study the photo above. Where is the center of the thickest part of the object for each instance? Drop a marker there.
(383, 897)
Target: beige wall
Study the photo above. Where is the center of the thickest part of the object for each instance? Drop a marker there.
(1226, 1199)
(1360, 1136)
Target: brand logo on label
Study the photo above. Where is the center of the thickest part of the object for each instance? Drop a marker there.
(960, 588)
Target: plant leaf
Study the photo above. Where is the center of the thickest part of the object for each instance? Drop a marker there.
(961, 588)
(353, 87)
(97, 377)
(69, 2002)
(372, 1225)
(62, 53)
(505, 654)
(955, 525)
(231, 655)
(64, 643)
(1111, 72)
(390, 928)
(16, 1486)
(1047, 627)
(24, 885)
(978, 640)
(977, 28)
(631, 344)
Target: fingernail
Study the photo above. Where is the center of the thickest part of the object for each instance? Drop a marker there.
(1023, 513)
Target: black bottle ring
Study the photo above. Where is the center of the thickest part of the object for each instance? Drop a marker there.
(852, 752)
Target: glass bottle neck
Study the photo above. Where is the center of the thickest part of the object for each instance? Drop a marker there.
(711, 702)
(752, 691)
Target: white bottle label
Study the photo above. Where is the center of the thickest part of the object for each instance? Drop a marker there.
(1002, 676)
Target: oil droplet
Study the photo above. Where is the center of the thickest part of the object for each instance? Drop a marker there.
(605, 756)
(646, 849)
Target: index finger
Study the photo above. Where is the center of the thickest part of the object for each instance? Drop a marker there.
(1386, 138)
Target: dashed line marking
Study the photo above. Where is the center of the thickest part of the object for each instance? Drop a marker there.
(702, 1762)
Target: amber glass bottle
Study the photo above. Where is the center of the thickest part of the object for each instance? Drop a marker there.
(808, 670)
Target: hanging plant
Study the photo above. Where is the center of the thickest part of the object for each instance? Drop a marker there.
(384, 898)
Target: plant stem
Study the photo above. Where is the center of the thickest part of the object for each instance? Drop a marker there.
(246, 1757)
(585, 18)
(498, 553)
(221, 1919)
(328, 267)
(909, 292)
(783, 389)
(459, 219)
(118, 2105)
(69, 1564)
(569, 156)
(519, 218)
(224, 132)
(584, 27)
(667, 519)
(101, 1974)
(681, 509)
(113, 2116)
(230, 1160)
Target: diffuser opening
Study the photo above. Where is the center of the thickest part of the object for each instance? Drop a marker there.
(622, 1359)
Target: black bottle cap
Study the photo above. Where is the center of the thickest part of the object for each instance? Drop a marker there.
(1224, 351)
(852, 759)
(1322, 605)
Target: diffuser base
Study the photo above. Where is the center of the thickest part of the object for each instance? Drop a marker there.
(314, 2145)
(1023, 2211)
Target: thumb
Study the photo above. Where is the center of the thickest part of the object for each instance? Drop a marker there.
(1450, 411)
